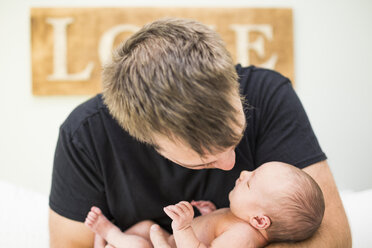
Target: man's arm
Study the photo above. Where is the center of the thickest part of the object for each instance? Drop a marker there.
(334, 230)
(64, 232)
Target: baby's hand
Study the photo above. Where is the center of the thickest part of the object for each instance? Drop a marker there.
(181, 214)
(204, 207)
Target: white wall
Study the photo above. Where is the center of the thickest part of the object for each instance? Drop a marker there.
(333, 61)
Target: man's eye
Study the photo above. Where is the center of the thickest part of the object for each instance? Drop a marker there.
(209, 164)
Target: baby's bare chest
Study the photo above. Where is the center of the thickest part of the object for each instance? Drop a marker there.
(210, 226)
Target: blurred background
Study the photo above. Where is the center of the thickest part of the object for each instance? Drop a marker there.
(332, 63)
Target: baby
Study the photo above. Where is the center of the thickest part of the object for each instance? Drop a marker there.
(275, 202)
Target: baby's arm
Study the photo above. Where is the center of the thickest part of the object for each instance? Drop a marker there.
(182, 215)
(204, 207)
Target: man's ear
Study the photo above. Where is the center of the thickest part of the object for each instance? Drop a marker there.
(260, 221)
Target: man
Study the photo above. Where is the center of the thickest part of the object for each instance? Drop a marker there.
(175, 112)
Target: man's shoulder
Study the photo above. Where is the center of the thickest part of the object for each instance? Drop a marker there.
(252, 78)
(258, 73)
(84, 112)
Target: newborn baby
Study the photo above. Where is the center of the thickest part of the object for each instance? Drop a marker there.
(275, 202)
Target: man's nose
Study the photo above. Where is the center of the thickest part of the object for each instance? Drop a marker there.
(227, 162)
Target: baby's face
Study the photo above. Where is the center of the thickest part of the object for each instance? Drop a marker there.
(254, 191)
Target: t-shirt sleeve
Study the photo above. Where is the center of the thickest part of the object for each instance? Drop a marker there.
(76, 181)
(283, 129)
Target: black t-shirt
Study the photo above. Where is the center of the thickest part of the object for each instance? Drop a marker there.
(97, 163)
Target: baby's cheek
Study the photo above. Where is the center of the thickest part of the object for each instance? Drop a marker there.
(231, 196)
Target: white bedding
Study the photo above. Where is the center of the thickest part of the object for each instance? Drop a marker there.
(358, 207)
(24, 220)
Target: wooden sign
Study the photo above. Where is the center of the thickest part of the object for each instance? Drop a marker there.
(69, 45)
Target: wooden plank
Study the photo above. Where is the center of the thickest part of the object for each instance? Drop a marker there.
(69, 45)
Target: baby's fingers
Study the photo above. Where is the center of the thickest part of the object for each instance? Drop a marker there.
(170, 211)
(185, 206)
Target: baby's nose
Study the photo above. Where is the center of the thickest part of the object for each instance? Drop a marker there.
(244, 174)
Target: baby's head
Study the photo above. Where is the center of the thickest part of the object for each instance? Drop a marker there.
(279, 199)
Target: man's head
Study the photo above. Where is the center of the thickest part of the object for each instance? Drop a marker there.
(280, 199)
(174, 82)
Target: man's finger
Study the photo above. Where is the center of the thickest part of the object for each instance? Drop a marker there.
(157, 237)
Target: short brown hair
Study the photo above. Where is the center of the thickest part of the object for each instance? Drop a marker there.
(174, 77)
(299, 211)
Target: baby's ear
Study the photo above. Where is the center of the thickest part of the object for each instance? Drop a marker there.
(260, 221)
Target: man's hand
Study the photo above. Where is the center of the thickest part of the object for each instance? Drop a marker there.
(204, 207)
(182, 214)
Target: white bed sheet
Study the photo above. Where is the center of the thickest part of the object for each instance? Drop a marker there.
(24, 217)
(358, 207)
